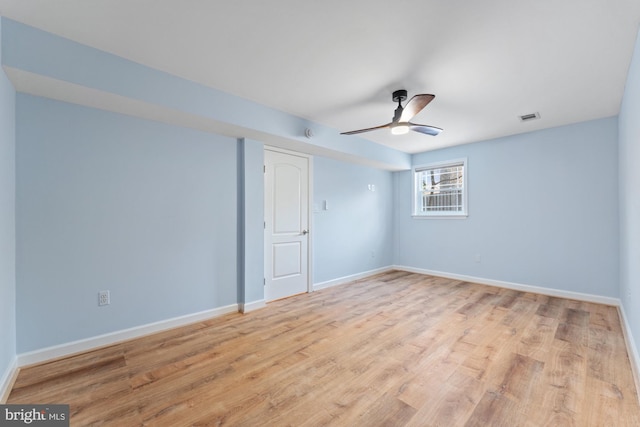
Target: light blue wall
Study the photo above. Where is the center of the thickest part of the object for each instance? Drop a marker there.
(355, 234)
(7, 224)
(251, 216)
(110, 202)
(629, 133)
(543, 211)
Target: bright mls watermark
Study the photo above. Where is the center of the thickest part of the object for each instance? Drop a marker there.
(34, 415)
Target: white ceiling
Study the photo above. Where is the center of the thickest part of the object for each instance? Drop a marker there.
(336, 62)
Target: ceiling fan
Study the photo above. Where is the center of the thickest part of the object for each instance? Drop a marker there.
(400, 123)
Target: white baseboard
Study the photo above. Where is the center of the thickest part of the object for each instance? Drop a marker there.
(351, 278)
(67, 349)
(517, 286)
(7, 379)
(251, 306)
(632, 349)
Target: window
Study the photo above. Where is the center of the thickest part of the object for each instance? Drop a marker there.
(440, 189)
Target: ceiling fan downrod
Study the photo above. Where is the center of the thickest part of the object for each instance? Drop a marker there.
(398, 96)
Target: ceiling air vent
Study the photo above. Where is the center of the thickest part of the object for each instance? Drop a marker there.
(529, 117)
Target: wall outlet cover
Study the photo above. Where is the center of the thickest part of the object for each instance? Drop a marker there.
(104, 298)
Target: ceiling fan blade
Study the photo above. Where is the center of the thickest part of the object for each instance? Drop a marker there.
(353, 132)
(427, 130)
(414, 106)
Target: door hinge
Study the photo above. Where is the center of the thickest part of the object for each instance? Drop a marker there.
(264, 282)
(264, 168)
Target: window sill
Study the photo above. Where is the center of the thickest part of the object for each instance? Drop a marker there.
(445, 216)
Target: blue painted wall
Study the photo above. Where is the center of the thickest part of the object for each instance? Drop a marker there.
(7, 224)
(355, 234)
(543, 211)
(629, 131)
(110, 202)
(251, 217)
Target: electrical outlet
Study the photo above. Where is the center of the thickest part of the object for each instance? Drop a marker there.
(104, 298)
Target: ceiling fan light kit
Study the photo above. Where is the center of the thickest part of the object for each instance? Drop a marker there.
(400, 129)
(400, 124)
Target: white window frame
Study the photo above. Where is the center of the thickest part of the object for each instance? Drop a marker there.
(441, 214)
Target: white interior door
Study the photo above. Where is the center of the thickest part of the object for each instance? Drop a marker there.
(286, 210)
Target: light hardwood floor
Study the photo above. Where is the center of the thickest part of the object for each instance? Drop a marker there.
(395, 349)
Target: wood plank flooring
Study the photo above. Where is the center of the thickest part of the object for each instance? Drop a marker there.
(396, 349)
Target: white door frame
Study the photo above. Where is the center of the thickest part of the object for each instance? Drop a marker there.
(309, 210)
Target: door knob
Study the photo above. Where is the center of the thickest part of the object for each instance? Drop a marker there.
(304, 232)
